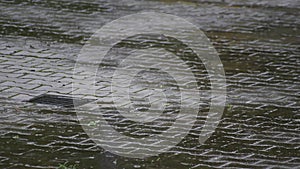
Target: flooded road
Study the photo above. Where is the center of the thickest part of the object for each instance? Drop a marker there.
(257, 41)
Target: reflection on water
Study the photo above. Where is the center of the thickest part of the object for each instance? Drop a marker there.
(258, 43)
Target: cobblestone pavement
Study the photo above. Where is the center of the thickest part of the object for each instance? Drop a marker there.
(258, 43)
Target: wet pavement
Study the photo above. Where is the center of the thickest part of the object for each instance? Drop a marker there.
(258, 43)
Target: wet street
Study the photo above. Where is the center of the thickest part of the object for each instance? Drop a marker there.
(258, 43)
